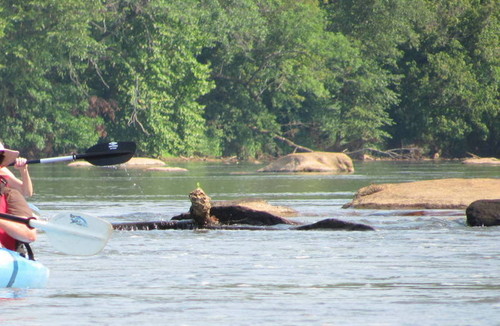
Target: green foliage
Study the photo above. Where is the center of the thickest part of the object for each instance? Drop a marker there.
(226, 77)
(448, 93)
(150, 70)
(279, 72)
(44, 46)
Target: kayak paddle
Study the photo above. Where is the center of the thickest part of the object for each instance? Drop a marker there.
(101, 154)
(71, 233)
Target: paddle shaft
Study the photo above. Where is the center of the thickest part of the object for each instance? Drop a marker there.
(17, 219)
(101, 154)
(74, 157)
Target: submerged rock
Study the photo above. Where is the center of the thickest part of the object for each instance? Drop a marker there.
(233, 217)
(334, 224)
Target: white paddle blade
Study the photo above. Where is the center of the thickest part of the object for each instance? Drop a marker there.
(76, 233)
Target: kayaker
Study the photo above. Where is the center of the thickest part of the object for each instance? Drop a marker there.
(24, 184)
(12, 200)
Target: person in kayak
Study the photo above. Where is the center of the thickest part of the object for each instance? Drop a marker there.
(24, 184)
(12, 200)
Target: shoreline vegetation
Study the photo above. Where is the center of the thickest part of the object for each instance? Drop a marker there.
(251, 78)
(366, 158)
(365, 155)
(160, 164)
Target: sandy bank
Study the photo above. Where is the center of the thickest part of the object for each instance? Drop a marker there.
(428, 194)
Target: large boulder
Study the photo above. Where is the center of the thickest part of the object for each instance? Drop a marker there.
(311, 162)
(483, 213)
(428, 194)
(142, 162)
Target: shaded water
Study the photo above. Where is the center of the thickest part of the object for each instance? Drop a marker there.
(430, 270)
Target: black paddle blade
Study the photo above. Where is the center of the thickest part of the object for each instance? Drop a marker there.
(109, 153)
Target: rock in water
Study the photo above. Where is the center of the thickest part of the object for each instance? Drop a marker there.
(483, 213)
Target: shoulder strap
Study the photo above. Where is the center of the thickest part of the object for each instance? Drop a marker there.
(26, 252)
(3, 183)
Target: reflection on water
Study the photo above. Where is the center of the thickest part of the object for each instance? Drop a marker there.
(12, 294)
(423, 269)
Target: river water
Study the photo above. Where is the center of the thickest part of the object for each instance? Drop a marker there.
(414, 270)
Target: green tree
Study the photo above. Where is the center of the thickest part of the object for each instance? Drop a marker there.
(278, 70)
(45, 46)
(150, 78)
(378, 27)
(225, 77)
(450, 98)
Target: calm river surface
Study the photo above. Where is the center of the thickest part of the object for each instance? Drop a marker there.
(427, 270)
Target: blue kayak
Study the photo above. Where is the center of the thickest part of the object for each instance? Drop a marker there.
(19, 272)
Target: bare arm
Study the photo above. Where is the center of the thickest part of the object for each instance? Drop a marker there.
(18, 231)
(24, 184)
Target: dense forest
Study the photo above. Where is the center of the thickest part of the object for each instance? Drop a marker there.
(237, 77)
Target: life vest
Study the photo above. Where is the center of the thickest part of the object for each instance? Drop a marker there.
(6, 240)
